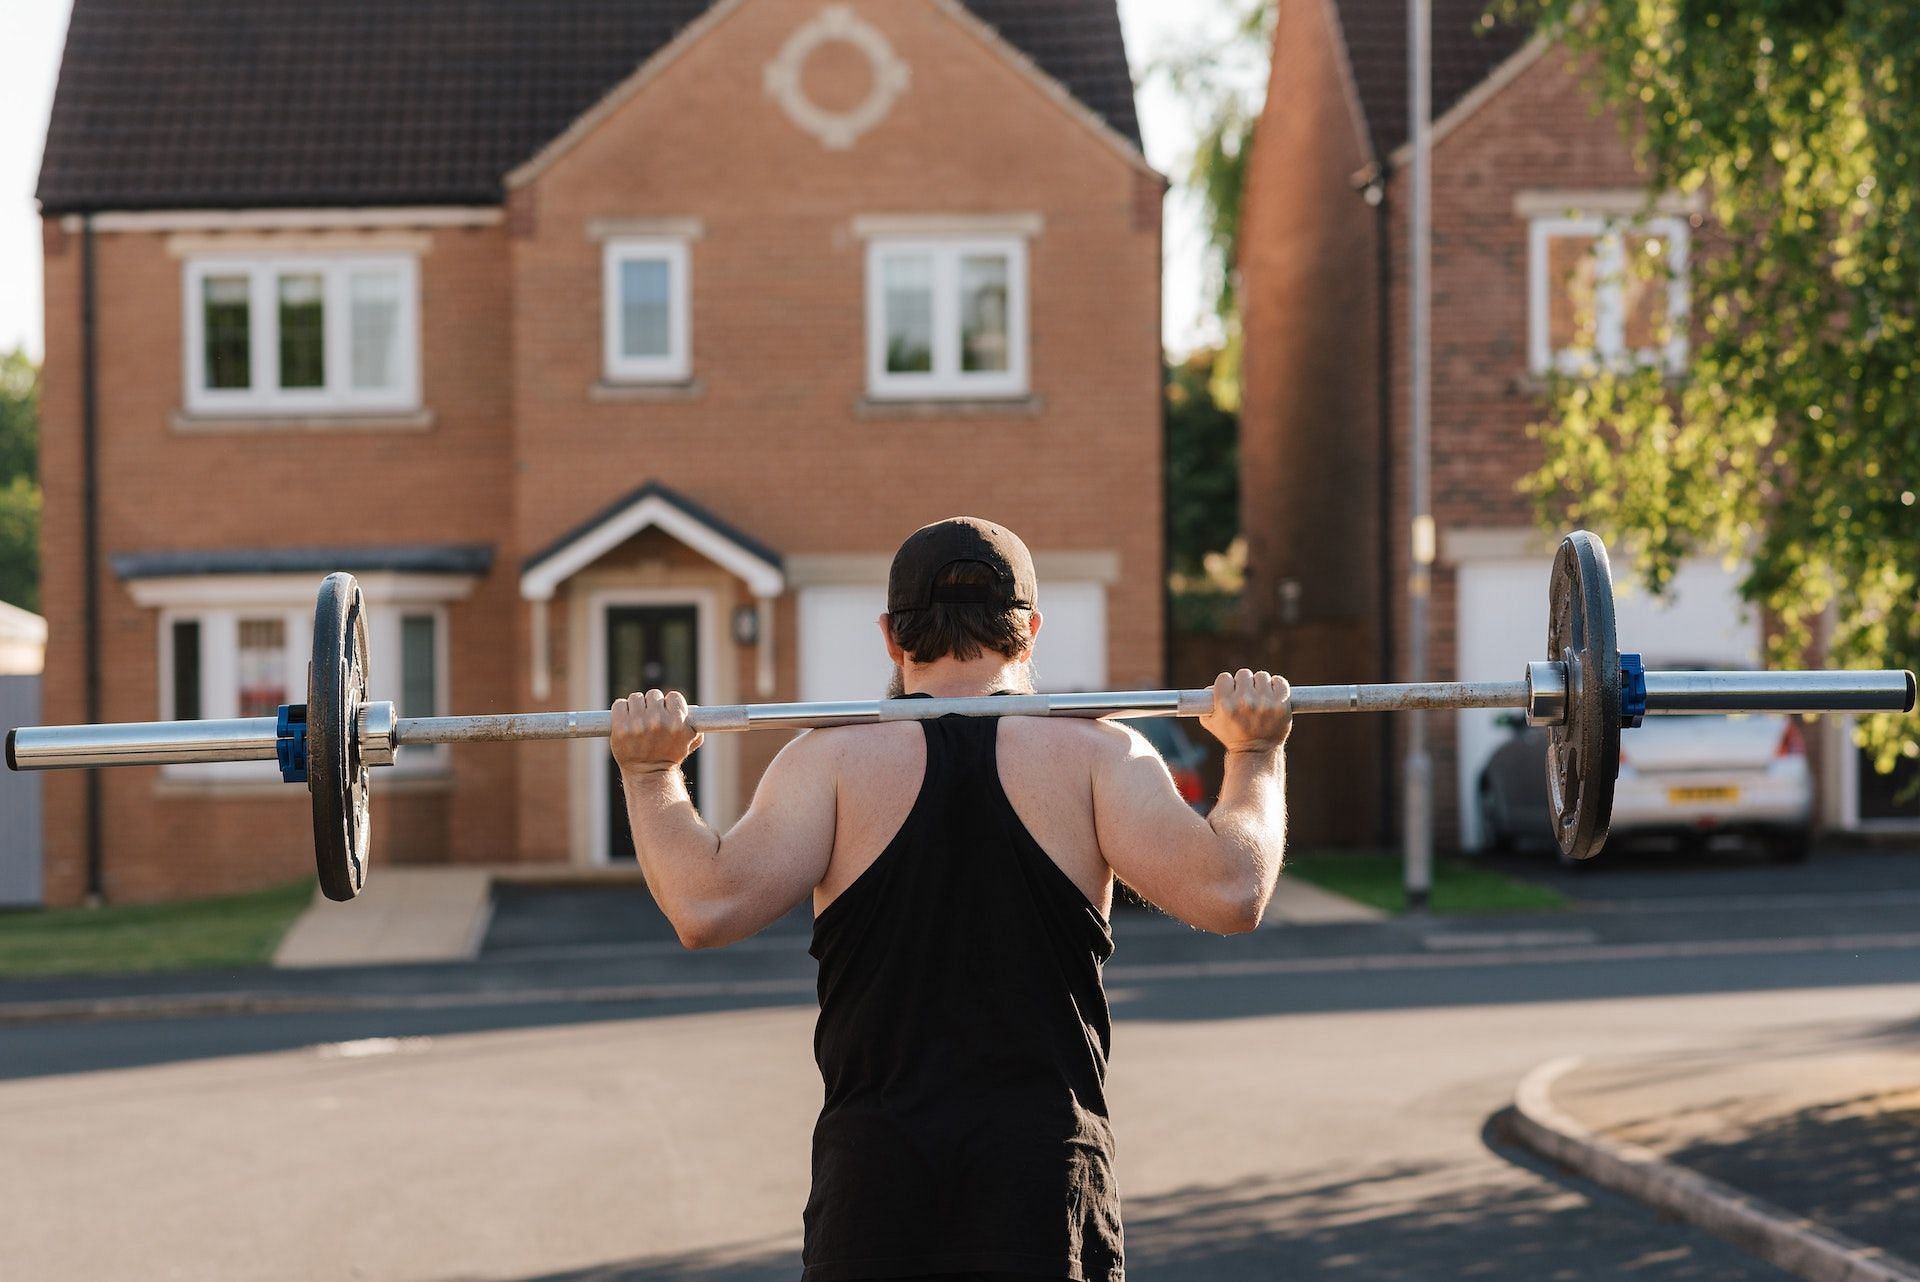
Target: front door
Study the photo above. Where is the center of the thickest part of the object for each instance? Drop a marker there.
(648, 647)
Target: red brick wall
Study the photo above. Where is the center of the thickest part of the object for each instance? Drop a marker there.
(1538, 132)
(775, 441)
(163, 488)
(1310, 418)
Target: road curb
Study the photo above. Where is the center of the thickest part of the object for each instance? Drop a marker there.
(195, 1005)
(1801, 1246)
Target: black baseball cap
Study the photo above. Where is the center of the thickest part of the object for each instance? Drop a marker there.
(932, 548)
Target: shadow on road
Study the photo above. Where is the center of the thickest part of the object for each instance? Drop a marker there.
(1853, 1165)
(1396, 1221)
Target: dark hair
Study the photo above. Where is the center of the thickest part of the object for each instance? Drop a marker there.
(962, 631)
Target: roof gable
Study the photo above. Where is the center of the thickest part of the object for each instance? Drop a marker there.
(652, 506)
(1467, 48)
(172, 104)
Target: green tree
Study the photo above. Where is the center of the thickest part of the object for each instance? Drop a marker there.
(1221, 74)
(1203, 467)
(1792, 436)
(19, 480)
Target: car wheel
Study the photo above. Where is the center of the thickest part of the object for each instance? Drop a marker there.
(1790, 847)
(1498, 840)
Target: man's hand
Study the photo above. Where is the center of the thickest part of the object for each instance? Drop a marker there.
(1252, 711)
(651, 734)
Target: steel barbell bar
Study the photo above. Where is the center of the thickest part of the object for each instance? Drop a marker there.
(1584, 694)
(382, 733)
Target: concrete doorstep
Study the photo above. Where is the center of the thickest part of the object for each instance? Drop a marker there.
(406, 915)
(1792, 1242)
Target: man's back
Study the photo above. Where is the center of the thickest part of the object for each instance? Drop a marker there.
(1046, 767)
(961, 871)
(963, 1033)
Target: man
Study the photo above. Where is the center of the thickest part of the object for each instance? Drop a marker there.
(962, 871)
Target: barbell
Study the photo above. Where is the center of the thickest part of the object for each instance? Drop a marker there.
(1585, 692)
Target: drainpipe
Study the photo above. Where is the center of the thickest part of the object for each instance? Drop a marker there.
(1416, 837)
(1375, 194)
(90, 541)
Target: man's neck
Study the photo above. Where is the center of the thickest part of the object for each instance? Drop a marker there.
(958, 678)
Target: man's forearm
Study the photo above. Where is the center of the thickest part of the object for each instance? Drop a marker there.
(676, 850)
(1250, 818)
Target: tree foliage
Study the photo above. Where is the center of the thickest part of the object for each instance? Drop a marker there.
(1203, 467)
(1792, 437)
(1221, 75)
(19, 480)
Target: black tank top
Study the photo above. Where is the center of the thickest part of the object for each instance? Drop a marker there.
(963, 1042)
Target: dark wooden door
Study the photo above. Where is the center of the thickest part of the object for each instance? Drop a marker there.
(649, 647)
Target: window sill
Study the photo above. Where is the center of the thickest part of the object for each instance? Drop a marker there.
(690, 389)
(219, 424)
(1538, 386)
(949, 406)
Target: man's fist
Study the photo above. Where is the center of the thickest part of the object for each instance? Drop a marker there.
(1252, 711)
(650, 732)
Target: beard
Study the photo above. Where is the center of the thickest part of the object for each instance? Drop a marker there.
(1019, 680)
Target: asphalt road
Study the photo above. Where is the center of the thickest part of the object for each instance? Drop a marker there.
(1289, 1104)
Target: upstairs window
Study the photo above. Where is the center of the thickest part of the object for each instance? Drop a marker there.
(301, 335)
(646, 311)
(1606, 294)
(947, 318)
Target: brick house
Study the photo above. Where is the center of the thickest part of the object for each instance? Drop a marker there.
(1536, 198)
(610, 344)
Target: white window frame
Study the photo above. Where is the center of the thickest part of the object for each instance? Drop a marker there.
(220, 675)
(677, 365)
(946, 380)
(1610, 236)
(265, 396)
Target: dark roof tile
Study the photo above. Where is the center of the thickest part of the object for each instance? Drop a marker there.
(452, 558)
(168, 104)
(1466, 49)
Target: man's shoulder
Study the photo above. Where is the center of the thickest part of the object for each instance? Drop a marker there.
(1083, 739)
(841, 745)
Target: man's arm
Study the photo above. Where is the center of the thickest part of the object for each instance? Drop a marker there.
(1215, 873)
(717, 889)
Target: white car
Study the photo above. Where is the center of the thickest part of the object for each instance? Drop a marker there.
(1689, 777)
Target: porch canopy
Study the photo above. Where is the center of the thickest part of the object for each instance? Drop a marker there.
(654, 506)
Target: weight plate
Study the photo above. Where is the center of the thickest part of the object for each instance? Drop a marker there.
(1583, 753)
(336, 774)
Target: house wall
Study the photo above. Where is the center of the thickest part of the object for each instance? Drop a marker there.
(774, 433)
(1310, 421)
(168, 482)
(1538, 132)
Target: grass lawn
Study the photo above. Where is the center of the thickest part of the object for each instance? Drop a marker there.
(1459, 885)
(237, 930)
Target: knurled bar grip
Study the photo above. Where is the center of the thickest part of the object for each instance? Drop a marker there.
(253, 738)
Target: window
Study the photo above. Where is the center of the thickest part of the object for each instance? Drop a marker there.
(245, 661)
(301, 335)
(646, 311)
(262, 665)
(947, 318)
(185, 670)
(1606, 293)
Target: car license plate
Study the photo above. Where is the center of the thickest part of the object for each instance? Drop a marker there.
(1694, 796)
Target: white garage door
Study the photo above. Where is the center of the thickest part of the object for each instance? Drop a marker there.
(1502, 626)
(842, 655)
